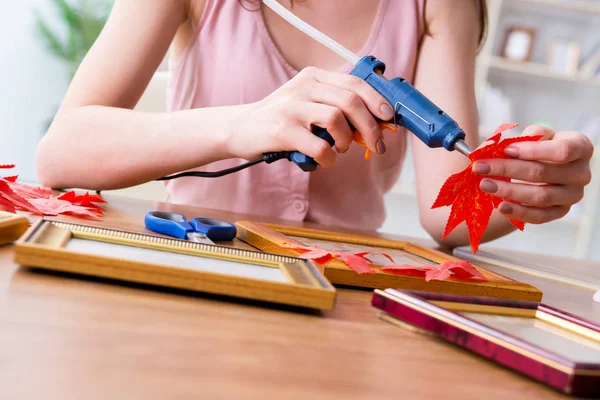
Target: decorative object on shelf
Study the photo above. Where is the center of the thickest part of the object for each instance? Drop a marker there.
(518, 43)
(563, 55)
(590, 65)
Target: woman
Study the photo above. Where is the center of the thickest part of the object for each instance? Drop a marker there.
(245, 82)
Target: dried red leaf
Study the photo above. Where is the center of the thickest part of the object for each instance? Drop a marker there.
(86, 200)
(460, 269)
(18, 202)
(469, 203)
(318, 255)
(30, 192)
(357, 262)
(56, 206)
(6, 205)
(16, 196)
(456, 183)
(407, 270)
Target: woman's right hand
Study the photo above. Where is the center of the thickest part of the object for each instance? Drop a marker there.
(315, 97)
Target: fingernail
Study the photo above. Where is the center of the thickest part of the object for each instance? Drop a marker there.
(482, 168)
(488, 186)
(506, 208)
(512, 151)
(381, 146)
(387, 111)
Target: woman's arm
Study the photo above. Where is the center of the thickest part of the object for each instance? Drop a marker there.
(96, 141)
(445, 74)
(550, 175)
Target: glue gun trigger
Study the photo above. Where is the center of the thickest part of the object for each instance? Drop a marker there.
(360, 141)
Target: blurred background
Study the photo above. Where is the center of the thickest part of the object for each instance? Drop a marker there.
(540, 64)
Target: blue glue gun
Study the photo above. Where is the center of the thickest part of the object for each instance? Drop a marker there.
(413, 110)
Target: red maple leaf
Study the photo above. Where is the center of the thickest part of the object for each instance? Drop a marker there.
(469, 203)
(85, 200)
(16, 201)
(16, 196)
(56, 206)
(357, 261)
(460, 269)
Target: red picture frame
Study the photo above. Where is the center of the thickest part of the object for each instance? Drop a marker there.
(451, 317)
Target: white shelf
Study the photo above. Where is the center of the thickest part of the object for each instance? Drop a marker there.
(539, 70)
(590, 7)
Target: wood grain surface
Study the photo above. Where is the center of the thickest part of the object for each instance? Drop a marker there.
(63, 337)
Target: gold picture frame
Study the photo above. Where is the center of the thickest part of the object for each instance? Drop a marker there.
(280, 239)
(174, 263)
(12, 226)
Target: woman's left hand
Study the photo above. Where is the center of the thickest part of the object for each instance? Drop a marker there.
(548, 175)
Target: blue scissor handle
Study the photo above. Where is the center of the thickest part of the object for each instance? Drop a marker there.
(214, 229)
(168, 223)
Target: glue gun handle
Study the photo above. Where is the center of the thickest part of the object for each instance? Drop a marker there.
(305, 162)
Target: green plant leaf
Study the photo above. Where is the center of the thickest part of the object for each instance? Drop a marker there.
(52, 41)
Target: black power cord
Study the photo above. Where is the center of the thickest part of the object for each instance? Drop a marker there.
(267, 158)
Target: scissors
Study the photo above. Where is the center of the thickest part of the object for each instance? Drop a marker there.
(199, 230)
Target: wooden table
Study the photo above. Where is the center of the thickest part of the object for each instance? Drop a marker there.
(68, 338)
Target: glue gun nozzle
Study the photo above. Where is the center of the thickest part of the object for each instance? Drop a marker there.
(462, 147)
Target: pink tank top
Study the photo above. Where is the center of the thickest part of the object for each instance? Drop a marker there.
(231, 59)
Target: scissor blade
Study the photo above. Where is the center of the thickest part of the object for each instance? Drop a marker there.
(199, 238)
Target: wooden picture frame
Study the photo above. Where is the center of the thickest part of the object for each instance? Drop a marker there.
(278, 239)
(551, 346)
(12, 226)
(518, 43)
(174, 263)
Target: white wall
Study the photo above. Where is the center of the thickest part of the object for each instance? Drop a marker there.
(32, 83)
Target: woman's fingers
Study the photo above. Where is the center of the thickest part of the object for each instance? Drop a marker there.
(354, 109)
(329, 100)
(533, 215)
(533, 195)
(375, 102)
(535, 130)
(328, 117)
(575, 173)
(564, 147)
(306, 142)
(549, 175)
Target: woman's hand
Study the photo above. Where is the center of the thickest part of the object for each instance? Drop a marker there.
(315, 97)
(549, 175)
